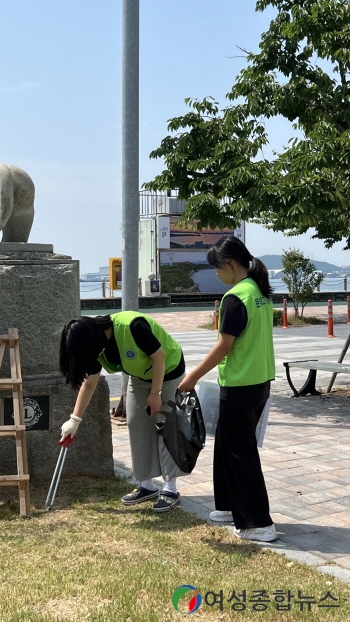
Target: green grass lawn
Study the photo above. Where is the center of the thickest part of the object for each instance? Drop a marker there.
(91, 558)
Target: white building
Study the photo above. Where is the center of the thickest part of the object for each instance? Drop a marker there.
(163, 244)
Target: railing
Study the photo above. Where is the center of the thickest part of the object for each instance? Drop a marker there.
(103, 288)
(328, 284)
(160, 203)
(164, 203)
(96, 288)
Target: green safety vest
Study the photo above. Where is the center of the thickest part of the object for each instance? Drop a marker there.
(134, 361)
(251, 359)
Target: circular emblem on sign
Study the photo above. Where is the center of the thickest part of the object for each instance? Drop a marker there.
(130, 354)
(32, 412)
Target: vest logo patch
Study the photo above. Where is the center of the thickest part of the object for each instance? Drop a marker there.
(260, 302)
(130, 354)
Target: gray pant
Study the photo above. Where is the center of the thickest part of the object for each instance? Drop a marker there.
(149, 456)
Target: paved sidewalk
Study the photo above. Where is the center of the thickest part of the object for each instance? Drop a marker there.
(305, 460)
(185, 319)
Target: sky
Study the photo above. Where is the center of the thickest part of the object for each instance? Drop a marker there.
(60, 101)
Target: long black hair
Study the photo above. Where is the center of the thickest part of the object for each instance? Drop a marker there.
(232, 248)
(82, 341)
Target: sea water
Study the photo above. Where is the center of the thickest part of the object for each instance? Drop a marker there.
(208, 282)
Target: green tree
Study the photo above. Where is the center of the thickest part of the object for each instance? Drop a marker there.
(301, 278)
(215, 160)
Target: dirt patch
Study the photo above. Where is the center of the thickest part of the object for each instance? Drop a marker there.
(341, 392)
(69, 608)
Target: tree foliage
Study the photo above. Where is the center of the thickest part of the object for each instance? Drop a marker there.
(301, 278)
(215, 158)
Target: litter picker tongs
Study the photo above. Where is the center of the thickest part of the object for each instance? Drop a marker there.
(58, 471)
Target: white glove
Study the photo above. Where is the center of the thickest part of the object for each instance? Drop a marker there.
(70, 427)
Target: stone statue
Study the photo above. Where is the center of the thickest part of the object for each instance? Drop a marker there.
(16, 204)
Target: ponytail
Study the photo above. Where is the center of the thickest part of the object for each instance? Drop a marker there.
(260, 275)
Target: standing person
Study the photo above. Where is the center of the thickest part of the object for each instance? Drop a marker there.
(245, 358)
(136, 344)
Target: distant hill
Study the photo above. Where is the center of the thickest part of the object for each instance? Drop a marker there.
(273, 262)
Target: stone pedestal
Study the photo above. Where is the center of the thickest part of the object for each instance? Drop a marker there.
(39, 293)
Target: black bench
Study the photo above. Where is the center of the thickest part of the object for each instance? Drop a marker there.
(313, 366)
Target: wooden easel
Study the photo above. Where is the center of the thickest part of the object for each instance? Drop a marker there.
(18, 430)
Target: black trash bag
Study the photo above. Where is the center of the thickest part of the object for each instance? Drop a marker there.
(183, 431)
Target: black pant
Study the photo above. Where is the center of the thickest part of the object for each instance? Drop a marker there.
(239, 484)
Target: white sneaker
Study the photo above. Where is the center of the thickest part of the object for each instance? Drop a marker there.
(221, 516)
(263, 534)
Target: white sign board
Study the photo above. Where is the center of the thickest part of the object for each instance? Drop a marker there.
(163, 232)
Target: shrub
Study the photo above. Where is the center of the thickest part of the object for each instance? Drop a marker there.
(277, 317)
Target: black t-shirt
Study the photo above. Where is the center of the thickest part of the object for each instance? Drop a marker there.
(233, 315)
(146, 341)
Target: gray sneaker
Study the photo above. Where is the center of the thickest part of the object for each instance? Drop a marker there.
(221, 516)
(262, 534)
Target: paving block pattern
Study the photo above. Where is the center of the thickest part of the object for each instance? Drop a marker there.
(305, 456)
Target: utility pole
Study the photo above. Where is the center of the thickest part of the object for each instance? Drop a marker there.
(130, 155)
